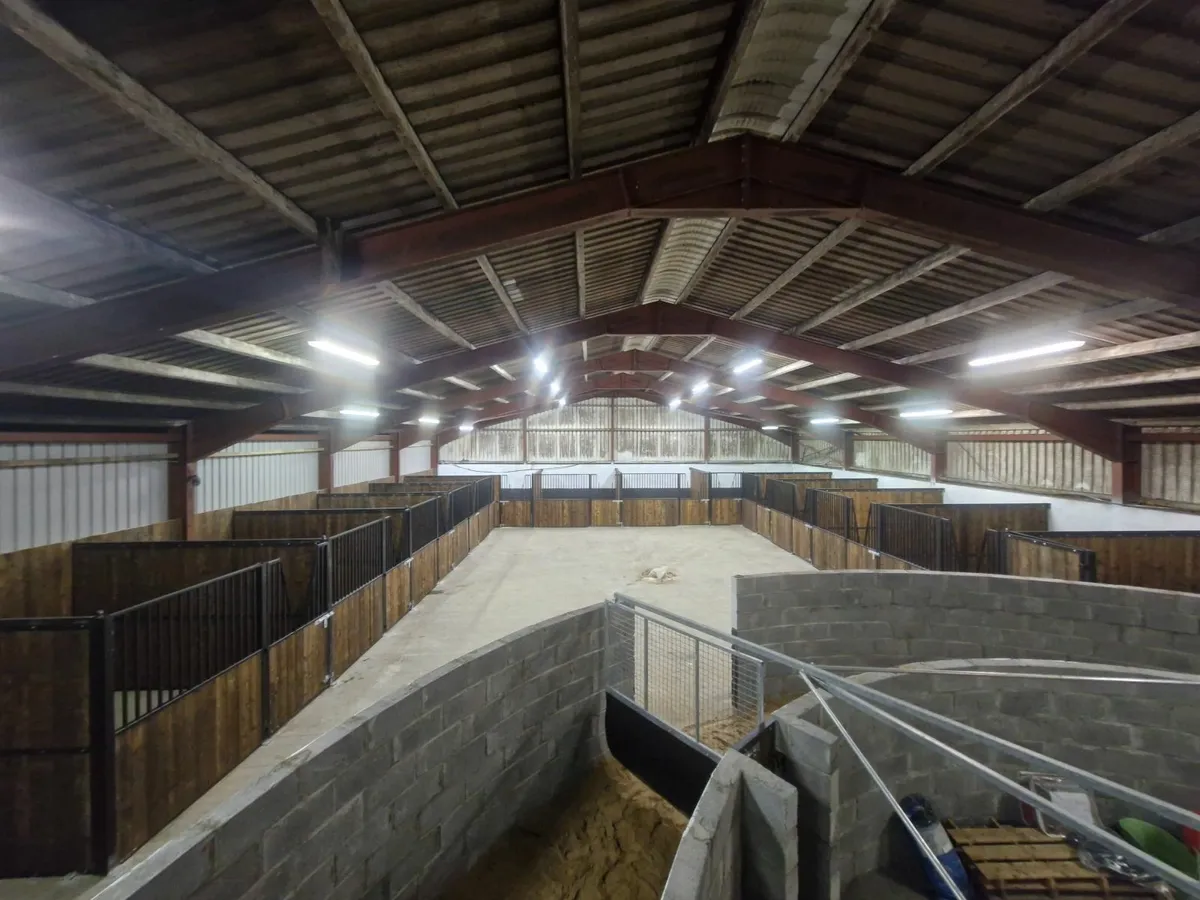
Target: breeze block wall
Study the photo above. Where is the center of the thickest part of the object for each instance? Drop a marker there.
(887, 618)
(410, 791)
(1142, 735)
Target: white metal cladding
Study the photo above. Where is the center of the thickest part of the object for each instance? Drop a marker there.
(64, 502)
(365, 461)
(891, 456)
(657, 445)
(253, 471)
(588, 414)
(642, 415)
(1043, 465)
(733, 443)
(821, 454)
(493, 444)
(1171, 472)
(571, 445)
(415, 458)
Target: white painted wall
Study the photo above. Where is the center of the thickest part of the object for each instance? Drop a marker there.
(254, 471)
(48, 504)
(514, 473)
(414, 458)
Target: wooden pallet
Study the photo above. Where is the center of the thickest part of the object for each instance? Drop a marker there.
(1016, 863)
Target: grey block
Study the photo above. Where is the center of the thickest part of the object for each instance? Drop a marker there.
(419, 733)
(279, 839)
(1170, 620)
(235, 879)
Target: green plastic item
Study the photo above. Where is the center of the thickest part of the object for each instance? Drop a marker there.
(1161, 845)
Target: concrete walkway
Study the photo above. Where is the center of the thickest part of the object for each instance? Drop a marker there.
(517, 577)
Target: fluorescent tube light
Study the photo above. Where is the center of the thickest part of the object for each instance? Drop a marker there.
(359, 412)
(562, 401)
(1044, 350)
(429, 420)
(925, 413)
(770, 428)
(699, 387)
(675, 401)
(747, 366)
(333, 347)
(541, 365)
(465, 427)
(555, 387)
(827, 420)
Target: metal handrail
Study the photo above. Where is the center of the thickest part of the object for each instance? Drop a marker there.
(869, 701)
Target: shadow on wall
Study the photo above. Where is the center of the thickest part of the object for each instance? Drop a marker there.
(1145, 736)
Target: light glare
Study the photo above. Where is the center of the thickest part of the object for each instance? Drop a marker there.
(541, 365)
(827, 420)
(465, 427)
(925, 413)
(699, 387)
(1044, 350)
(359, 412)
(770, 428)
(429, 420)
(333, 347)
(747, 366)
(675, 401)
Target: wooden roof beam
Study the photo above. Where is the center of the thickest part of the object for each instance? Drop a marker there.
(568, 38)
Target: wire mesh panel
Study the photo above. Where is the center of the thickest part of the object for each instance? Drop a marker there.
(654, 486)
(700, 687)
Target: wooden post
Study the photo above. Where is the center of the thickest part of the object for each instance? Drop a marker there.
(707, 439)
(937, 462)
(325, 463)
(847, 449)
(1127, 472)
(433, 454)
(394, 456)
(181, 482)
(524, 439)
(795, 446)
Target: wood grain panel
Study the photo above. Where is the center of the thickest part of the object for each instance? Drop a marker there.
(357, 624)
(762, 521)
(781, 530)
(166, 762)
(44, 689)
(37, 582)
(249, 525)
(298, 667)
(462, 544)
(863, 499)
(726, 511)
(114, 577)
(972, 521)
(831, 484)
(887, 561)
(828, 549)
(698, 483)
(1034, 560)
(473, 531)
(398, 584)
(515, 513)
(425, 572)
(749, 518)
(561, 513)
(44, 816)
(802, 540)
(650, 513)
(1168, 561)
(218, 524)
(859, 556)
(693, 512)
(445, 554)
(606, 513)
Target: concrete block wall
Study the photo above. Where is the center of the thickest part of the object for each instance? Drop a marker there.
(1144, 736)
(741, 839)
(890, 618)
(410, 791)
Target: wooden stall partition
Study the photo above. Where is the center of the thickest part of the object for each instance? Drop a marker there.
(298, 666)
(562, 513)
(762, 521)
(168, 760)
(864, 497)
(461, 545)
(357, 624)
(1036, 557)
(831, 484)
(606, 512)
(516, 513)
(392, 500)
(887, 561)
(781, 530)
(644, 513)
(45, 698)
(972, 521)
(1168, 560)
(317, 523)
(749, 515)
(693, 512)
(726, 511)
(698, 484)
(398, 587)
(424, 572)
(473, 529)
(112, 577)
(802, 540)
(445, 554)
(859, 556)
(828, 549)
(218, 524)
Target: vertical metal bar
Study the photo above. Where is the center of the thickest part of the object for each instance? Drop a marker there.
(102, 745)
(697, 687)
(328, 612)
(264, 624)
(645, 660)
(761, 678)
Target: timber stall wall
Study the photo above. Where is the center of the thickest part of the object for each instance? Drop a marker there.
(1168, 560)
(117, 722)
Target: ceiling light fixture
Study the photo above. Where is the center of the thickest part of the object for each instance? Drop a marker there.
(333, 347)
(826, 420)
(700, 387)
(555, 387)
(429, 420)
(541, 365)
(675, 401)
(562, 401)
(1044, 350)
(359, 412)
(465, 427)
(770, 428)
(747, 366)
(925, 413)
